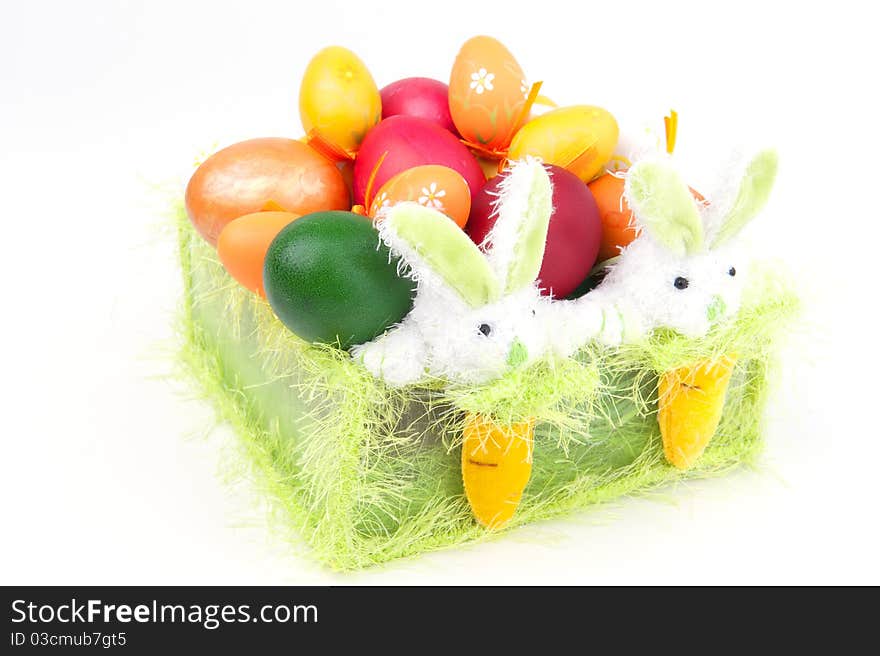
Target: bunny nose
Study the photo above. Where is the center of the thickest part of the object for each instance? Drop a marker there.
(716, 308)
(517, 355)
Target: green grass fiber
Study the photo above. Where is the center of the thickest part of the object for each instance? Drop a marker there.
(364, 473)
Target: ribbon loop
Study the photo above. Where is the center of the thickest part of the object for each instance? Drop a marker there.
(327, 148)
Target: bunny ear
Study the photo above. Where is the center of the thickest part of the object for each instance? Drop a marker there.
(754, 190)
(439, 252)
(663, 205)
(515, 245)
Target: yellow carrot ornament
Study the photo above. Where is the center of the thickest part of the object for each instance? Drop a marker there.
(691, 400)
(496, 463)
(681, 272)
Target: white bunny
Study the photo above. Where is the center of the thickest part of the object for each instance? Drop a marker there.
(474, 314)
(683, 271)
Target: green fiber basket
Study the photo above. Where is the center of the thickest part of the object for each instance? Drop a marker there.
(366, 473)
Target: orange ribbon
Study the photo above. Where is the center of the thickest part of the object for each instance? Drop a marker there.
(580, 156)
(671, 123)
(501, 153)
(368, 192)
(327, 148)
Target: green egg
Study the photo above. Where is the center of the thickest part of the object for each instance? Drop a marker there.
(328, 280)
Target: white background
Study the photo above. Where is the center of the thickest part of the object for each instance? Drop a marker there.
(108, 474)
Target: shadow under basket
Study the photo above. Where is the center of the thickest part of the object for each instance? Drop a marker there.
(364, 473)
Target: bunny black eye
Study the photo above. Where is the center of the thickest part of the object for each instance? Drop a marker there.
(731, 272)
(681, 283)
(485, 329)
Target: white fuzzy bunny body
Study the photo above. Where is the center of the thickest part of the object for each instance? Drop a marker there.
(684, 271)
(637, 294)
(464, 344)
(476, 315)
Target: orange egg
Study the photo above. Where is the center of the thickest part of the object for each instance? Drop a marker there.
(431, 185)
(487, 93)
(618, 222)
(244, 177)
(243, 244)
(618, 228)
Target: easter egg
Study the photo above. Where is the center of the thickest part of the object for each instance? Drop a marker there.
(618, 228)
(338, 97)
(438, 187)
(421, 97)
(328, 279)
(580, 139)
(245, 177)
(487, 93)
(573, 236)
(243, 243)
(410, 142)
(618, 222)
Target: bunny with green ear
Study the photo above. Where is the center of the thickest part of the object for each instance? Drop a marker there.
(684, 270)
(474, 314)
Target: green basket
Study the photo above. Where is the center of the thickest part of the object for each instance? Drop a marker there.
(365, 473)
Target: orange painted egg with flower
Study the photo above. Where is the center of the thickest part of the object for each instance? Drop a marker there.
(438, 187)
(487, 93)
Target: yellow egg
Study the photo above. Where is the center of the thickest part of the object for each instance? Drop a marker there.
(338, 97)
(580, 139)
(487, 93)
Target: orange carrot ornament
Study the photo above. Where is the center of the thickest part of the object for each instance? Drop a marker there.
(496, 463)
(691, 400)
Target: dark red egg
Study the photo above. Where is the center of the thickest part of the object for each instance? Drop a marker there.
(573, 237)
(421, 97)
(409, 142)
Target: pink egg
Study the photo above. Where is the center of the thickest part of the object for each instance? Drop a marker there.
(572, 239)
(409, 142)
(421, 97)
